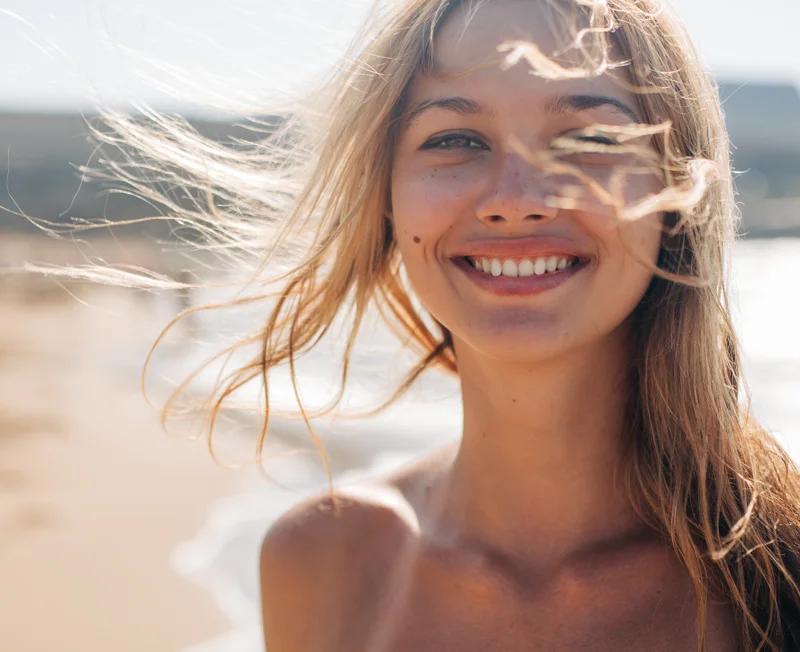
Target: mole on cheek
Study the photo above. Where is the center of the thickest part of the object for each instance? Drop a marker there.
(416, 239)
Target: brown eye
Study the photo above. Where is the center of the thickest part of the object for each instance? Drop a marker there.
(453, 141)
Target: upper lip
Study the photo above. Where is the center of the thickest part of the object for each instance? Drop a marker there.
(528, 247)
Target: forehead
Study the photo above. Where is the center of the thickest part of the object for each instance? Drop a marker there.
(472, 32)
(465, 50)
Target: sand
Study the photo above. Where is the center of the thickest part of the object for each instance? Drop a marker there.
(93, 495)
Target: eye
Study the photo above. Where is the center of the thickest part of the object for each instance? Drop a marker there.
(588, 147)
(592, 136)
(602, 140)
(453, 141)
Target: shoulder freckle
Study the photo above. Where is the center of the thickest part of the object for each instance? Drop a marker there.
(416, 239)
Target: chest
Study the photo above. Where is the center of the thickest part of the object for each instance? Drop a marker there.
(547, 626)
(440, 611)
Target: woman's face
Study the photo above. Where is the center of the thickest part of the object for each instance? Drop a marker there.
(556, 278)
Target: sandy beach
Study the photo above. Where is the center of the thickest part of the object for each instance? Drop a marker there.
(94, 497)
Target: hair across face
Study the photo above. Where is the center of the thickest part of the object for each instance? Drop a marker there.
(483, 171)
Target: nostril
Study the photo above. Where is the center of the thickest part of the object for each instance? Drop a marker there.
(495, 218)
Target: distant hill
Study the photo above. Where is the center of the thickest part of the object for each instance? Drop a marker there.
(42, 151)
(40, 170)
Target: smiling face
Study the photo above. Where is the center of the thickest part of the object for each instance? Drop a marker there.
(492, 253)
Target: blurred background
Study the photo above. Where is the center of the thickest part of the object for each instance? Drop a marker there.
(114, 536)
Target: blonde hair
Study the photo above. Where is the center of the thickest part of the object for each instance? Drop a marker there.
(314, 192)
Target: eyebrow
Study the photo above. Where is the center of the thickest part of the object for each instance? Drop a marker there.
(460, 105)
(577, 103)
(559, 104)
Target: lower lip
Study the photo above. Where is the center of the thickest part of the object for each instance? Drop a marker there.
(508, 286)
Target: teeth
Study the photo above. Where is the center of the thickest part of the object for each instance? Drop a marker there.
(525, 268)
(510, 269)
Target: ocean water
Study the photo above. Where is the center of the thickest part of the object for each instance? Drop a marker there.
(223, 556)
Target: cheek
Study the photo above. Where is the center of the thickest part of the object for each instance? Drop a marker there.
(634, 241)
(642, 238)
(629, 272)
(625, 240)
(426, 204)
(627, 253)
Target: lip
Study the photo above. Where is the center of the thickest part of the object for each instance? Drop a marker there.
(520, 248)
(507, 286)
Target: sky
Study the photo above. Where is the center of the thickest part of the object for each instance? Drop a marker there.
(234, 54)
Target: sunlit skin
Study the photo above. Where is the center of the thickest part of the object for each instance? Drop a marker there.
(517, 539)
(543, 376)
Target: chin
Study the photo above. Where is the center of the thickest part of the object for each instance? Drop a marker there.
(518, 338)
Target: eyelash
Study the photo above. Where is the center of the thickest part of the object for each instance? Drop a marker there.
(436, 143)
(600, 140)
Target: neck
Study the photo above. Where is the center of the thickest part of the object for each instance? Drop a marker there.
(535, 471)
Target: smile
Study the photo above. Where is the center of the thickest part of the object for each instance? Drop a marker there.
(521, 268)
(509, 277)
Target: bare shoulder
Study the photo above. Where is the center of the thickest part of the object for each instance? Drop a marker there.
(322, 559)
(325, 528)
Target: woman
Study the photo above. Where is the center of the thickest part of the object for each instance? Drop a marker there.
(537, 195)
(609, 491)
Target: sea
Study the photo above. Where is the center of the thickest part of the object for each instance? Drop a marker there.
(223, 556)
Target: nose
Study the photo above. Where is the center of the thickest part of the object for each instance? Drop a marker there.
(516, 193)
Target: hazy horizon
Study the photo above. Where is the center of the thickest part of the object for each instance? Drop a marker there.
(62, 55)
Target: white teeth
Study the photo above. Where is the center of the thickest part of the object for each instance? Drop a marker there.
(510, 269)
(526, 268)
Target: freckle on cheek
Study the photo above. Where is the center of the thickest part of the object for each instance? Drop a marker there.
(416, 239)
